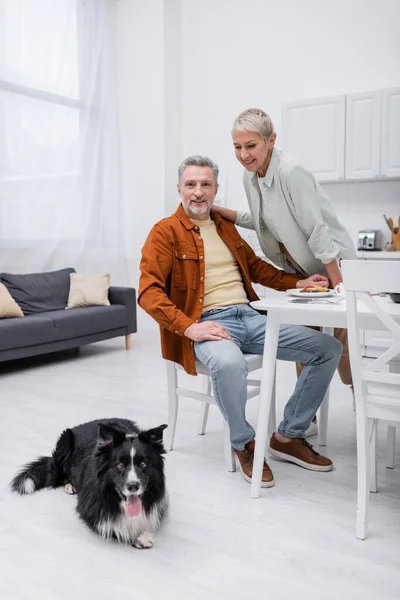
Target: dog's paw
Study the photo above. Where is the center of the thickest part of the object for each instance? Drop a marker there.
(145, 540)
(69, 489)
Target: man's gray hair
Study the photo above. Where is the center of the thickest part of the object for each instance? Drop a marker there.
(198, 161)
(254, 119)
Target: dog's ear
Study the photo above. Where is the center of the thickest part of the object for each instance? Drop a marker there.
(109, 436)
(154, 436)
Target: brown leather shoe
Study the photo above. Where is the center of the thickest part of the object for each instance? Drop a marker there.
(299, 452)
(245, 458)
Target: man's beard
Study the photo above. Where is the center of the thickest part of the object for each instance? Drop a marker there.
(199, 209)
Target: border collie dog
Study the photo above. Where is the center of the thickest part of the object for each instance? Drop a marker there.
(117, 472)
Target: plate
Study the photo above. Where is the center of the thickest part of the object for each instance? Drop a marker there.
(299, 294)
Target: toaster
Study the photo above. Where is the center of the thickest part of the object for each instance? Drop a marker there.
(368, 239)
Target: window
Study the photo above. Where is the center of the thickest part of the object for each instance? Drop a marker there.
(41, 120)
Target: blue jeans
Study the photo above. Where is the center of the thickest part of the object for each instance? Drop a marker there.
(224, 358)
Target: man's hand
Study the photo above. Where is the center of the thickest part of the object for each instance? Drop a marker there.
(209, 330)
(313, 280)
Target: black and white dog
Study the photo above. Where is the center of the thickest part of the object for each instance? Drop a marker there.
(117, 472)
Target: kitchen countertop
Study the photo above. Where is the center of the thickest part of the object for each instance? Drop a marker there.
(365, 255)
(378, 254)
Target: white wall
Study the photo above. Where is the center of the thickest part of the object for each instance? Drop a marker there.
(262, 53)
(140, 82)
(149, 75)
(362, 205)
(187, 68)
(172, 99)
(149, 92)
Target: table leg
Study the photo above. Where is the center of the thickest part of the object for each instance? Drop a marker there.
(324, 408)
(266, 389)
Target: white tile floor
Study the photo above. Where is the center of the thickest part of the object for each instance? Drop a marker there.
(297, 540)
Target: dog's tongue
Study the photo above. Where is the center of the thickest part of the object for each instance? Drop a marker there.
(133, 505)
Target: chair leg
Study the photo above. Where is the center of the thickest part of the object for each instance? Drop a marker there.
(228, 450)
(394, 367)
(391, 446)
(205, 407)
(363, 457)
(353, 399)
(373, 436)
(272, 412)
(323, 420)
(173, 403)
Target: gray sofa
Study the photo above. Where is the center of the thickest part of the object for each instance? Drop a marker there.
(48, 327)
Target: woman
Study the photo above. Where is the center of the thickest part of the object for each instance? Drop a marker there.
(295, 223)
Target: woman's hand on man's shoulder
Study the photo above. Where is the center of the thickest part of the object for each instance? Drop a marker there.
(226, 213)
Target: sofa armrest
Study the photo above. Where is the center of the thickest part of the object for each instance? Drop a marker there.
(127, 297)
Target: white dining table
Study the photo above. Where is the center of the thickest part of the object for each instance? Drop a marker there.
(282, 311)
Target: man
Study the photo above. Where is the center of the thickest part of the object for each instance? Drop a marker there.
(196, 275)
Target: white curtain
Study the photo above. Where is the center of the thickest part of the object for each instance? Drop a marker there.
(60, 196)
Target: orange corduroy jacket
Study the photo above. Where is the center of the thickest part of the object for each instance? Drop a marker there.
(172, 271)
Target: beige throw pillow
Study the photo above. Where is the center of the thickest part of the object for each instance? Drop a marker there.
(8, 306)
(88, 290)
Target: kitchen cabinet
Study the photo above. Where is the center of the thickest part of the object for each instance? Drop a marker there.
(314, 131)
(352, 137)
(363, 135)
(390, 147)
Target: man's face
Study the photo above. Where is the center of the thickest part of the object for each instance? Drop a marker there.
(197, 190)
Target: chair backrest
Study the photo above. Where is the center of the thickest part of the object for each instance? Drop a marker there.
(361, 279)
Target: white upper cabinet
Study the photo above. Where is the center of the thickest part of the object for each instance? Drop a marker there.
(346, 137)
(390, 156)
(315, 132)
(363, 135)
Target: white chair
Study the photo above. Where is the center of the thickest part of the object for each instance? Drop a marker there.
(254, 362)
(377, 392)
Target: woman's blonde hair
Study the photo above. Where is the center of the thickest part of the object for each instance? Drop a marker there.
(254, 119)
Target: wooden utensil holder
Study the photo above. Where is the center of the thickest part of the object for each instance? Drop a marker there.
(396, 238)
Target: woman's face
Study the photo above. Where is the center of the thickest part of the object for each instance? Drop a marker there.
(252, 150)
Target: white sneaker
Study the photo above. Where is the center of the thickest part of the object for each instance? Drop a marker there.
(312, 430)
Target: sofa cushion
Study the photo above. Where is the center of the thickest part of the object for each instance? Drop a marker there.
(76, 322)
(29, 331)
(8, 307)
(39, 292)
(88, 290)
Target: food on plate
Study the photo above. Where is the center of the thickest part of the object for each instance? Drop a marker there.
(311, 289)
